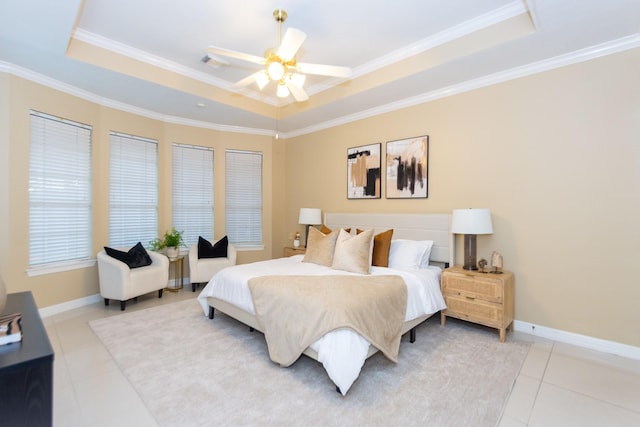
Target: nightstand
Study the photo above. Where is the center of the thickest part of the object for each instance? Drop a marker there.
(290, 251)
(483, 298)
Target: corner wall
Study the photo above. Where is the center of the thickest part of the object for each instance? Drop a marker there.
(555, 156)
(17, 97)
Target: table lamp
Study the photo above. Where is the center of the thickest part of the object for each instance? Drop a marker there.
(471, 222)
(307, 217)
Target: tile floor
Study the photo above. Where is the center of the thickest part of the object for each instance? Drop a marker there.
(559, 384)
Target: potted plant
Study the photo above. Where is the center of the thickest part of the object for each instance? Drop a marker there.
(172, 241)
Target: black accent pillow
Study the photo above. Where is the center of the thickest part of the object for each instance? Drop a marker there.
(136, 257)
(207, 250)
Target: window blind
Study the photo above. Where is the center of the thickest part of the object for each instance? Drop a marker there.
(59, 190)
(243, 197)
(133, 190)
(193, 192)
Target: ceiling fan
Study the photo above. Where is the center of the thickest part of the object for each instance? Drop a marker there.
(280, 63)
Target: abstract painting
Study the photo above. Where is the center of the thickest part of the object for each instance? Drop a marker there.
(408, 168)
(363, 172)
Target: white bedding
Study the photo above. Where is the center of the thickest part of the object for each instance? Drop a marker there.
(342, 352)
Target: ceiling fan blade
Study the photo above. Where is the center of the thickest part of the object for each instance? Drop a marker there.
(247, 80)
(237, 55)
(298, 93)
(324, 70)
(291, 42)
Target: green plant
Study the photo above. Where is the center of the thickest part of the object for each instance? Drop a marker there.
(156, 244)
(171, 239)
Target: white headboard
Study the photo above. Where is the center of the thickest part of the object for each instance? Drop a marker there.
(434, 227)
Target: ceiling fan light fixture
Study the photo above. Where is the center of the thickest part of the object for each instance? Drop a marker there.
(283, 91)
(275, 70)
(262, 79)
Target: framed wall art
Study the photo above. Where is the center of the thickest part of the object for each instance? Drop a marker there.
(363, 172)
(408, 168)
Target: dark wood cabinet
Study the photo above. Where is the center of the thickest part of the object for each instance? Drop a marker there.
(26, 369)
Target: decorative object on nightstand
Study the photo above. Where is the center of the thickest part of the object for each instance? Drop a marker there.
(307, 217)
(486, 299)
(296, 241)
(471, 222)
(482, 264)
(496, 263)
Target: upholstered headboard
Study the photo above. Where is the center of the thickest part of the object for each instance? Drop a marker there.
(434, 227)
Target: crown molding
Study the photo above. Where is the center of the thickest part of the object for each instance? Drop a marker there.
(471, 26)
(157, 61)
(582, 55)
(110, 103)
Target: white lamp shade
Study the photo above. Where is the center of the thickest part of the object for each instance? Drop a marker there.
(310, 216)
(282, 91)
(471, 221)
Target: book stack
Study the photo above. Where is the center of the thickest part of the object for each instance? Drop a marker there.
(10, 328)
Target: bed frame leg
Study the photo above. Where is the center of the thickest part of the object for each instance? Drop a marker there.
(211, 310)
(412, 335)
(251, 329)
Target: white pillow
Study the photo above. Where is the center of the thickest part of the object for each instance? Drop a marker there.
(409, 254)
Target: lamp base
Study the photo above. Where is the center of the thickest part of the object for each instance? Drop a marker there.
(470, 252)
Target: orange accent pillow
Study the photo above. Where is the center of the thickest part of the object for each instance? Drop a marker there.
(326, 230)
(381, 247)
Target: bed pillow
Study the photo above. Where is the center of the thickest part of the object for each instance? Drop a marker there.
(353, 253)
(320, 247)
(217, 250)
(409, 254)
(135, 257)
(326, 230)
(381, 247)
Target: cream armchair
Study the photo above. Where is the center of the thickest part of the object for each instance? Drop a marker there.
(203, 269)
(119, 282)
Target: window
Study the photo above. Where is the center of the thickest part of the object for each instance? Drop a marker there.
(243, 197)
(133, 190)
(193, 192)
(59, 194)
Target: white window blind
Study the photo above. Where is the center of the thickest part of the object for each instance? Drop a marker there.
(133, 190)
(243, 197)
(193, 192)
(59, 191)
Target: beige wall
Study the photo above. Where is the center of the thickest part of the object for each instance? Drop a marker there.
(555, 156)
(17, 97)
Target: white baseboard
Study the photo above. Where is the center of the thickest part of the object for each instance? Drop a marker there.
(69, 305)
(584, 341)
(81, 302)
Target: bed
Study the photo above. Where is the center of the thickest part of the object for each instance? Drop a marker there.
(343, 351)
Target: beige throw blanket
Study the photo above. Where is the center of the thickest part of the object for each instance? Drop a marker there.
(295, 311)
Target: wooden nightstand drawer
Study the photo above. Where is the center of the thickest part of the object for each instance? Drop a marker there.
(290, 251)
(473, 286)
(475, 310)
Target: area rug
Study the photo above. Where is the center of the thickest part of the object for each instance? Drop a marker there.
(192, 371)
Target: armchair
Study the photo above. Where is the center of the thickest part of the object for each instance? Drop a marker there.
(203, 269)
(119, 282)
